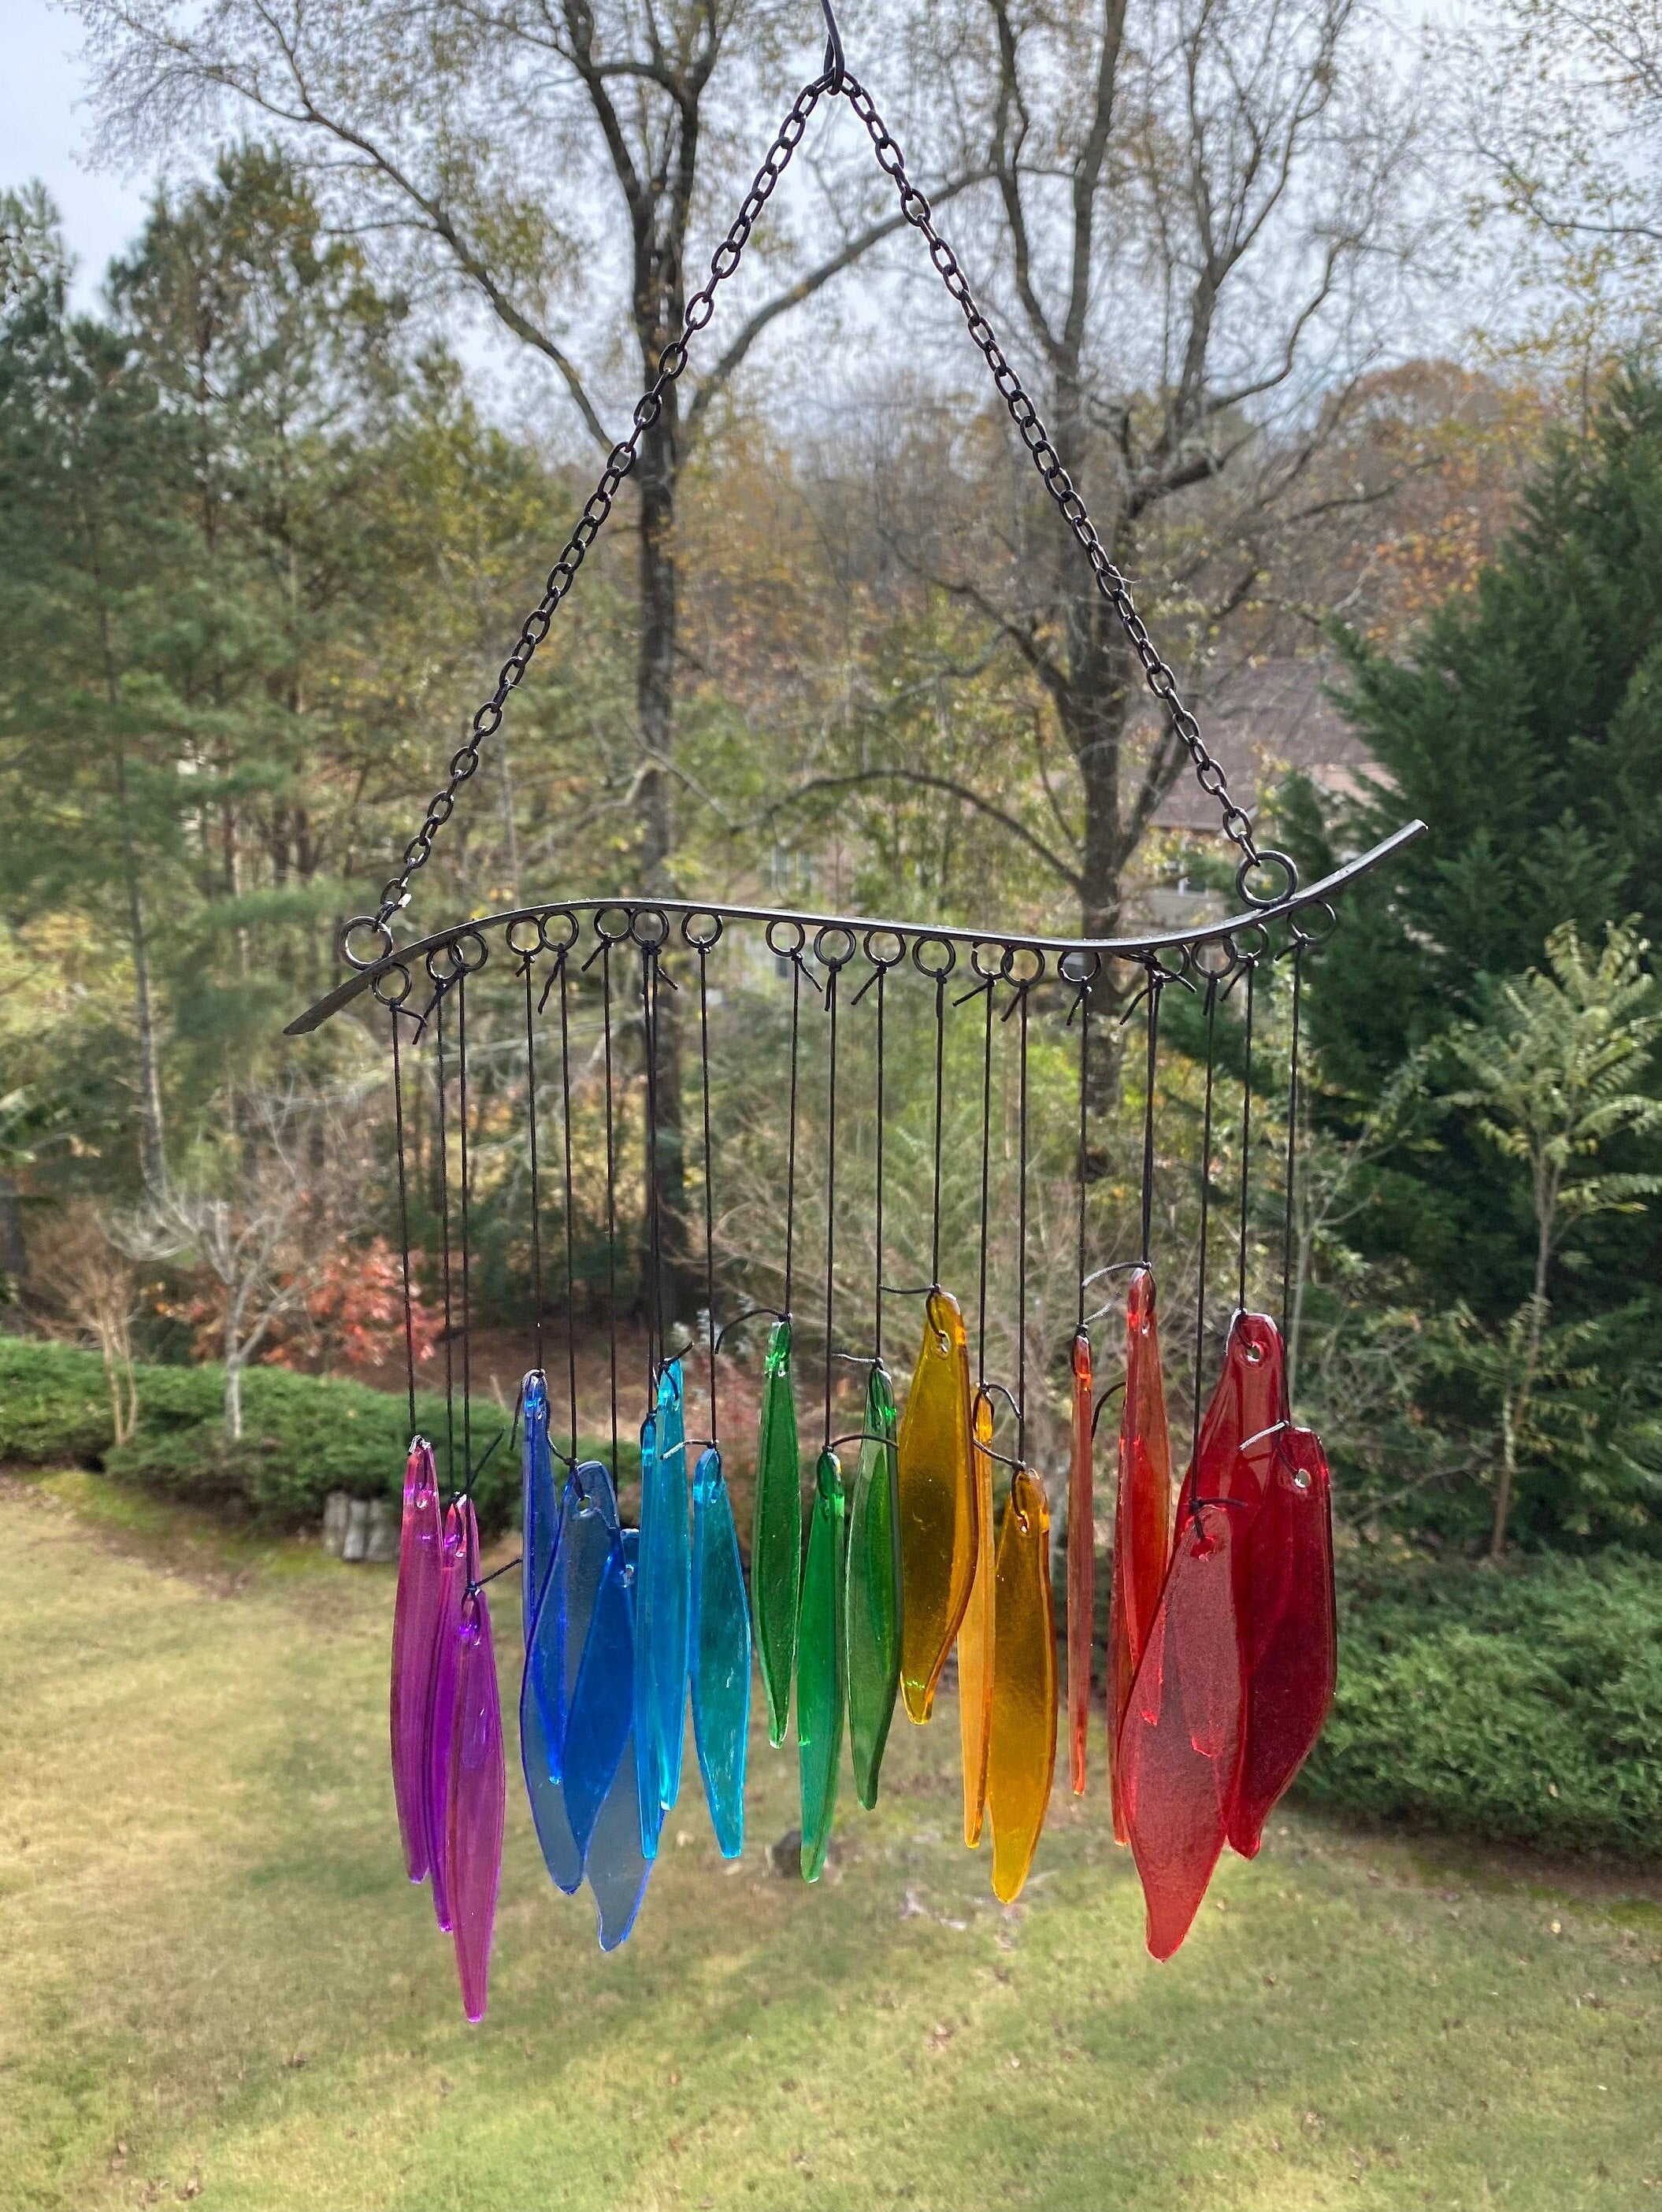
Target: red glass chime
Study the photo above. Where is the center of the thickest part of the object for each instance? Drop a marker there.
(1220, 1687)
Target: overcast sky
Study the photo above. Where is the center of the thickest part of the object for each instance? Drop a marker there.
(45, 125)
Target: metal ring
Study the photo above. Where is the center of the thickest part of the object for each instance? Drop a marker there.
(1080, 977)
(1231, 958)
(1177, 975)
(454, 965)
(876, 958)
(1269, 858)
(1247, 954)
(648, 943)
(348, 929)
(1033, 953)
(786, 952)
(559, 947)
(463, 939)
(696, 939)
(823, 935)
(612, 936)
(386, 976)
(1006, 954)
(1303, 934)
(924, 967)
(531, 922)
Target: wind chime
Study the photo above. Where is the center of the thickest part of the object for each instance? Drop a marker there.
(1219, 1661)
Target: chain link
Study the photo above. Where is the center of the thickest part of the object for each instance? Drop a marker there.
(1110, 581)
(671, 362)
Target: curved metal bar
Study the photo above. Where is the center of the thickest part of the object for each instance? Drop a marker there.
(1138, 949)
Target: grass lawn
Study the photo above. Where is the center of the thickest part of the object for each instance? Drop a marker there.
(218, 1987)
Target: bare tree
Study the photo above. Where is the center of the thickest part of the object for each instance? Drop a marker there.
(1563, 106)
(256, 1226)
(475, 140)
(1197, 213)
(92, 1289)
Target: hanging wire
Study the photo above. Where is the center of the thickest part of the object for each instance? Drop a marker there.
(1155, 985)
(403, 1224)
(1298, 950)
(1246, 1131)
(611, 1197)
(570, 1227)
(1205, 1206)
(536, 1202)
(877, 1278)
(710, 1184)
(831, 1184)
(939, 1098)
(986, 1181)
(466, 1233)
(444, 1256)
(1022, 1238)
(790, 1153)
(655, 1298)
(1084, 1149)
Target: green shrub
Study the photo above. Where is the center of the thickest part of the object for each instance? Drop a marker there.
(54, 1404)
(303, 1436)
(1524, 1705)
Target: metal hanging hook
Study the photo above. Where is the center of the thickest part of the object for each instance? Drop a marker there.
(834, 68)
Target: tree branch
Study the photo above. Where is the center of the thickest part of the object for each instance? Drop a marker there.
(929, 782)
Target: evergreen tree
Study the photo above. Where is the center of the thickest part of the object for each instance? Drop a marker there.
(1526, 728)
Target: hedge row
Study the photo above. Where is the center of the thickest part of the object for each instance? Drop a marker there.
(303, 1436)
(1524, 1704)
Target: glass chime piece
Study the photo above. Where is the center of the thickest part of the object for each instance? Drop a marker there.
(820, 1688)
(667, 1571)
(559, 1633)
(458, 1562)
(478, 1791)
(1179, 1744)
(1082, 1558)
(539, 1501)
(415, 1629)
(648, 1799)
(977, 1645)
(588, 1519)
(1142, 1514)
(1249, 1399)
(617, 1867)
(776, 1544)
(1284, 1592)
(937, 1532)
(1021, 1761)
(872, 1602)
(720, 1654)
(601, 1713)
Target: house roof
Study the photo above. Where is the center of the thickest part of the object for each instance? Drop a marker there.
(1260, 720)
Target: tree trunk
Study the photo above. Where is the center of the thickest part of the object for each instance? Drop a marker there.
(152, 1144)
(656, 478)
(14, 1252)
(233, 1399)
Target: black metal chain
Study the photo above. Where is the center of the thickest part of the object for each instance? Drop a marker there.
(622, 459)
(1110, 581)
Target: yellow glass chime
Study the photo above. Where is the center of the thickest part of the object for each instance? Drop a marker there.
(938, 1504)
